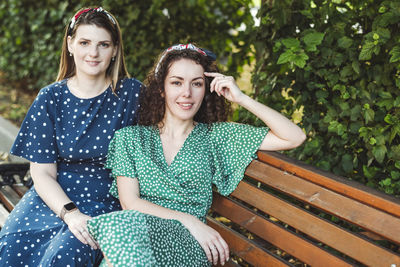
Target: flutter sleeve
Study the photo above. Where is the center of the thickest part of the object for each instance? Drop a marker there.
(120, 157)
(234, 147)
(36, 140)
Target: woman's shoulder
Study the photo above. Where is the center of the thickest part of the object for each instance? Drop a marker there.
(136, 130)
(130, 83)
(53, 90)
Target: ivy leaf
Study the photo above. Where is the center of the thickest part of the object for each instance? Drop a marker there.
(366, 51)
(379, 152)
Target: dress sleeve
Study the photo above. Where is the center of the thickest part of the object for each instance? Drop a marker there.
(120, 157)
(234, 147)
(36, 140)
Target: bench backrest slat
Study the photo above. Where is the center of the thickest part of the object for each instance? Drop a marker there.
(343, 186)
(275, 234)
(3, 215)
(322, 230)
(9, 197)
(327, 200)
(250, 252)
(20, 189)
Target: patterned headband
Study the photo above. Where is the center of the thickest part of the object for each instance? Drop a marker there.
(97, 9)
(189, 46)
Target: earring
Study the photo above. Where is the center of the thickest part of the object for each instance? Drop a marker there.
(113, 58)
(70, 54)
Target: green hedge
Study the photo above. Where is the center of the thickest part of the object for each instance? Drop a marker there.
(32, 32)
(337, 64)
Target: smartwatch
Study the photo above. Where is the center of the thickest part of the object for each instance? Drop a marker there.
(69, 207)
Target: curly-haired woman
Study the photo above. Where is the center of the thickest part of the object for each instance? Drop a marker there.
(165, 167)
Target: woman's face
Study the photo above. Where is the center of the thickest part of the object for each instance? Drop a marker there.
(184, 89)
(92, 48)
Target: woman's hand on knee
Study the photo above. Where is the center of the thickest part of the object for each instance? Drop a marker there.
(77, 224)
(210, 240)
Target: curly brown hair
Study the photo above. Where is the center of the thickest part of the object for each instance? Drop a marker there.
(152, 102)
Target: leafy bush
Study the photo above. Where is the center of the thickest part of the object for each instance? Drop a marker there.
(32, 33)
(336, 62)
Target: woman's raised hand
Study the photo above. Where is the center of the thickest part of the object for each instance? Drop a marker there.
(225, 86)
(210, 240)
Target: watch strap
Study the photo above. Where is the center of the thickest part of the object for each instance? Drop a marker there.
(69, 207)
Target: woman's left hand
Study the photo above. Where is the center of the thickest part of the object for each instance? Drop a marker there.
(225, 86)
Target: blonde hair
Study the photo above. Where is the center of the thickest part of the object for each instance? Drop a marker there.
(86, 16)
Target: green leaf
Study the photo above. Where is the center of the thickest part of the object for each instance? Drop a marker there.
(347, 163)
(291, 43)
(389, 119)
(355, 113)
(285, 57)
(312, 40)
(372, 141)
(379, 152)
(395, 54)
(369, 115)
(369, 172)
(386, 182)
(366, 51)
(345, 42)
(356, 66)
(300, 60)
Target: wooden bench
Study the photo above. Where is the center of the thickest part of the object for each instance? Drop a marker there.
(285, 213)
(14, 182)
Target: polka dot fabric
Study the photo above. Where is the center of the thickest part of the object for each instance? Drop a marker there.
(212, 154)
(74, 133)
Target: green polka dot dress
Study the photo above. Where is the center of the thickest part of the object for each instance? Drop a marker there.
(212, 154)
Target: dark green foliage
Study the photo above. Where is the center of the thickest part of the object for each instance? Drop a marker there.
(339, 60)
(31, 33)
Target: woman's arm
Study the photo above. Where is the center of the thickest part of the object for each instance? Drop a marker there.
(44, 177)
(209, 239)
(283, 134)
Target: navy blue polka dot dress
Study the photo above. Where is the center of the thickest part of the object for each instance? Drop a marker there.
(74, 133)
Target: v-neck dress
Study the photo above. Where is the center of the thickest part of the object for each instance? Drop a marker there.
(74, 133)
(212, 154)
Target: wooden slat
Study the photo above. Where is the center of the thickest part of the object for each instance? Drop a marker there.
(276, 235)
(348, 209)
(3, 215)
(9, 197)
(244, 248)
(20, 189)
(324, 231)
(345, 187)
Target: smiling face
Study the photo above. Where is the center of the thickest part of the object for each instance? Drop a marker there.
(92, 48)
(184, 90)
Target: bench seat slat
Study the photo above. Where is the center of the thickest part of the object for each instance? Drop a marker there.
(246, 250)
(329, 201)
(345, 187)
(352, 245)
(276, 235)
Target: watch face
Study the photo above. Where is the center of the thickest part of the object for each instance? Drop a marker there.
(70, 206)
